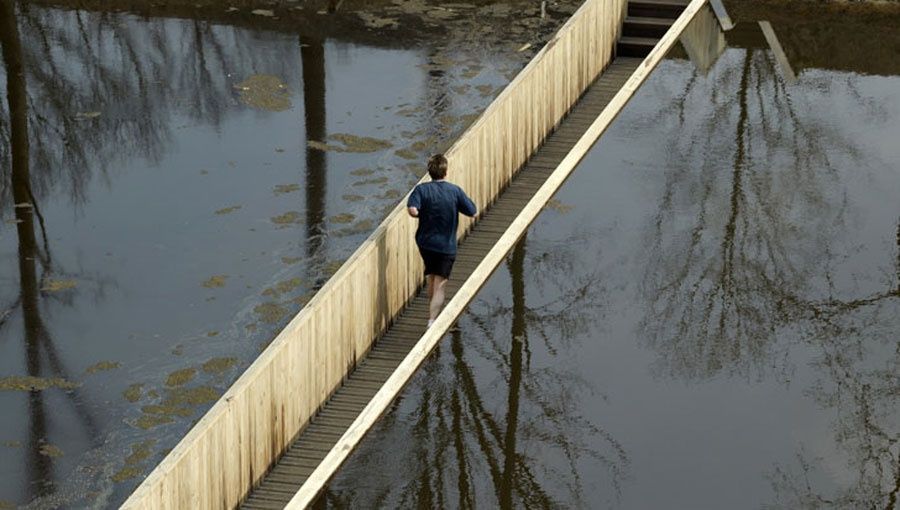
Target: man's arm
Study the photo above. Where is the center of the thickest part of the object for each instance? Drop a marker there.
(414, 202)
(465, 204)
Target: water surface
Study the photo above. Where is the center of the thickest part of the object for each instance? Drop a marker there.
(706, 315)
(176, 183)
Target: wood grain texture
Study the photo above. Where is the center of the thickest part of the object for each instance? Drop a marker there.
(315, 483)
(228, 452)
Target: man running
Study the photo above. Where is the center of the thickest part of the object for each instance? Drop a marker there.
(437, 205)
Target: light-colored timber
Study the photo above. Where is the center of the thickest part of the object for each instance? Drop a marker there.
(229, 451)
(340, 450)
(287, 477)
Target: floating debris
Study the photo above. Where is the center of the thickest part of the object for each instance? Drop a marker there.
(140, 452)
(485, 90)
(376, 180)
(12, 444)
(192, 396)
(353, 198)
(281, 189)
(362, 172)
(283, 287)
(215, 282)
(406, 154)
(555, 205)
(288, 218)
(263, 12)
(58, 285)
(361, 227)
(228, 210)
(149, 421)
(49, 450)
(390, 194)
(211, 334)
(87, 115)
(361, 144)
(133, 392)
(102, 366)
(524, 47)
(126, 473)
(265, 92)
(290, 260)
(373, 21)
(219, 365)
(270, 312)
(181, 377)
(167, 410)
(342, 218)
(30, 383)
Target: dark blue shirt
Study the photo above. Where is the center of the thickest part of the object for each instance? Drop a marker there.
(439, 204)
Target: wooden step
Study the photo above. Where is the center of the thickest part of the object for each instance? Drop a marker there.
(646, 27)
(656, 8)
(635, 46)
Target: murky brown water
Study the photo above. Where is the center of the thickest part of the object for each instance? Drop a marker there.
(177, 180)
(707, 316)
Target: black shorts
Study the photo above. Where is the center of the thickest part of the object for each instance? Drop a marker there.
(439, 264)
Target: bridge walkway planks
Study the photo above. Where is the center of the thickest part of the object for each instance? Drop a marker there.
(311, 446)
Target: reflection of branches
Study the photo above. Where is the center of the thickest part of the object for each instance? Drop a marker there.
(97, 83)
(472, 443)
(741, 256)
(716, 285)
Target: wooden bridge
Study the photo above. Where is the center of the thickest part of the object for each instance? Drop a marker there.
(283, 429)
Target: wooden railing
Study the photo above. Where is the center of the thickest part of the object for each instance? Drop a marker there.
(229, 450)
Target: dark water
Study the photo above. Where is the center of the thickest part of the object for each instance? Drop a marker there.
(164, 211)
(706, 316)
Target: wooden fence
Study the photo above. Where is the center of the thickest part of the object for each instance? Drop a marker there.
(229, 450)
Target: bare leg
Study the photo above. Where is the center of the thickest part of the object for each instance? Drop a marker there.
(436, 294)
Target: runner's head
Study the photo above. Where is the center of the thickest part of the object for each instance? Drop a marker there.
(437, 167)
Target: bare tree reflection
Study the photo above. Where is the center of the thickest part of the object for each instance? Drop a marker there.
(741, 268)
(39, 344)
(98, 83)
(473, 442)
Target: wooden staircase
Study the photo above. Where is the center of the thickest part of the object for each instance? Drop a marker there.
(645, 24)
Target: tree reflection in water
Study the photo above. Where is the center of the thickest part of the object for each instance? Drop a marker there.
(80, 87)
(743, 267)
(464, 442)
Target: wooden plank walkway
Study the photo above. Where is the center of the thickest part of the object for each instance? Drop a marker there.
(312, 445)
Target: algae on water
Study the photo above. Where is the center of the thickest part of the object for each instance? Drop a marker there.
(361, 143)
(288, 218)
(52, 285)
(283, 287)
(181, 377)
(270, 312)
(342, 218)
(281, 189)
(228, 210)
(219, 365)
(102, 366)
(133, 392)
(215, 281)
(49, 450)
(265, 92)
(30, 383)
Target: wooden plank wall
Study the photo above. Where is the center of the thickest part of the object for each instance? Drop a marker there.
(423, 348)
(228, 451)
